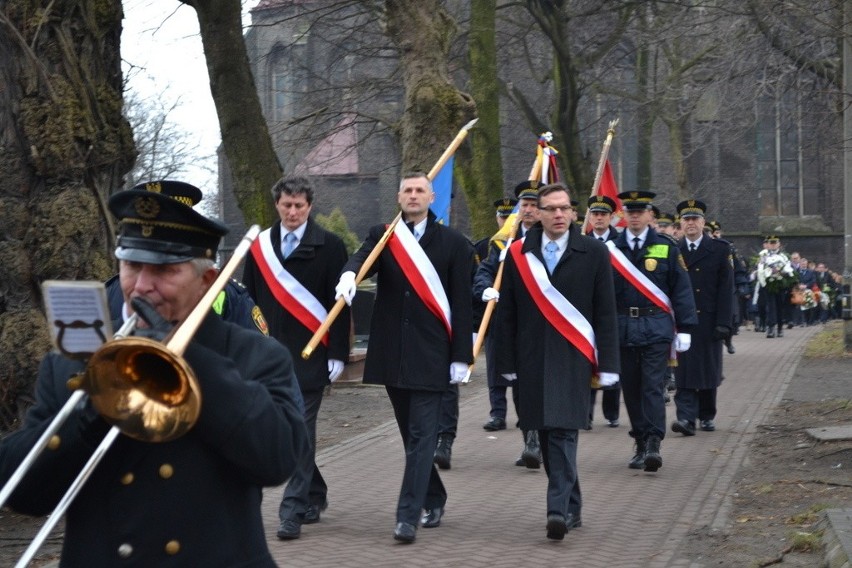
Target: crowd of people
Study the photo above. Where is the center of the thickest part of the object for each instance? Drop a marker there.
(569, 308)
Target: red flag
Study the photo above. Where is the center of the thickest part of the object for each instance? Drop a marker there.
(609, 188)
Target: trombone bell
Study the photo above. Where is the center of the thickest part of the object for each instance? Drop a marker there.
(144, 389)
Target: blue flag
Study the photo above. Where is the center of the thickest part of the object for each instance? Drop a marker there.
(443, 186)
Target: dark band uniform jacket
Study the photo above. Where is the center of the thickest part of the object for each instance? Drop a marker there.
(554, 376)
(712, 280)
(409, 346)
(194, 501)
(316, 264)
(483, 278)
(658, 259)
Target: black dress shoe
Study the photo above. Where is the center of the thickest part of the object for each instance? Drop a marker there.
(683, 427)
(289, 530)
(780, 332)
(556, 527)
(432, 518)
(613, 423)
(312, 513)
(496, 423)
(520, 462)
(708, 425)
(405, 533)
(573, 521)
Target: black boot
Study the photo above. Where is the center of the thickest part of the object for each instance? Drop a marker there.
(653, 459)
(532, 450)
(770, 332)
(444, 451)
(730, 345)
(638, 460)
(780, 331)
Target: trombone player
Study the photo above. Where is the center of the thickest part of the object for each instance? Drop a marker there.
(195, 500)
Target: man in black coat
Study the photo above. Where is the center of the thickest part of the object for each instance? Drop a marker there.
(194, 500)
(711, 274)
(599, 212)
(555, 329)
(656, 312)
(291, 274)
(420, 337)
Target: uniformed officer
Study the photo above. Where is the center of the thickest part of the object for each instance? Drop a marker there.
(527, 194)
(655, 309)
(163, 504)
(233, 303)
(711, 274)
(600, 209)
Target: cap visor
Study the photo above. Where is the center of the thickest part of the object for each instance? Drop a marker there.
(148, 256)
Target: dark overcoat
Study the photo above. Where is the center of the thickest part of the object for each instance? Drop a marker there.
(409, 346)
(316, 264)
(711, 276)
(194, 501)
(553, 375)
(660, 260)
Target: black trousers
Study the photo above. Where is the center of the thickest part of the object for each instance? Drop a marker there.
(644, 371)
(559, 452)
(307, 486)
(609, 403)
(695, 403)
(448, 419)
(774, 308)
(416, 415)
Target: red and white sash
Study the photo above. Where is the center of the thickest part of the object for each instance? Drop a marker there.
(556, 309)
(297, 300)
(639, 280)
(420, 273)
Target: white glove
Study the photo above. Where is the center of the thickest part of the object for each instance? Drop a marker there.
(682, 342)
(607, 379)
(490, 294)
(458, 372)
(335, 367)
(503, 254)
(510, 376)
(346, 287)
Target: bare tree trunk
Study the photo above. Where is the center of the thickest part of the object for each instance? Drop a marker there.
(245, 135)
(434, 109)
(65, 147)
(485, 183)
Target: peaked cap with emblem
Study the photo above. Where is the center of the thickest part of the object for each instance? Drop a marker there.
(159, 225)
(665, 219)
(691, 208)
(528, 189)
(771, 239)
(505, 205)
(637, 200)
(601, 203)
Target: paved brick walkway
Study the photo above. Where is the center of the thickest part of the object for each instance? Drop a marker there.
(495, 515)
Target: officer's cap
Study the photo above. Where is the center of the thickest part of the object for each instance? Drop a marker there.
(771, 239)
(637, 200)
(601, 203)
(691, 208)
(505, 205)
(665, 219)
(158, 226)
(528, 189)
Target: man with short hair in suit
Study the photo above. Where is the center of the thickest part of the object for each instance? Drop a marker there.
(420, 337)
(292, 271)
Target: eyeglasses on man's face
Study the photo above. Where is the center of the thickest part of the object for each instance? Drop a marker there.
(555, 208)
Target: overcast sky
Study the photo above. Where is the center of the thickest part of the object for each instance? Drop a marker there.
(163, 56)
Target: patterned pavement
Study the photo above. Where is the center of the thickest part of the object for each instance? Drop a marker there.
(495, 514)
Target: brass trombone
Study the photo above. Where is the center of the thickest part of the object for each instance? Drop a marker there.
(144, 388)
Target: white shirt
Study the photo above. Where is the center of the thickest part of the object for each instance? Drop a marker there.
(642, 236)
(690, 243)
(603, 237)
(419, 228)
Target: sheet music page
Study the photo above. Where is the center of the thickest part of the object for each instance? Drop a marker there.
(77, 315)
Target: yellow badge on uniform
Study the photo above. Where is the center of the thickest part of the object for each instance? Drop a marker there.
(259, 321)
(650, 264)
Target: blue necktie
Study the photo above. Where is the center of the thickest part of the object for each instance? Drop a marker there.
(289, 244)
(550, 256)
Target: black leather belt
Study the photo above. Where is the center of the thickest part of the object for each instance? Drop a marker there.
(635, 312)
